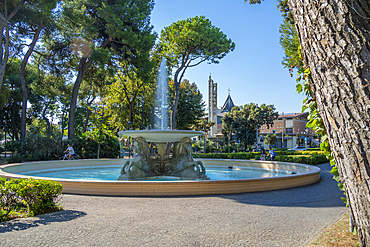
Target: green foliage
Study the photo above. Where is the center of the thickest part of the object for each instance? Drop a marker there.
(40, 196)
(36, 147)
(87, 144)
(243, 120)
(11, 96)
(194, 39)
(191, 105)
(9, 200)
(15, 158)
(202, 124)
(28, 196)
(186, 44)
(243, 155)
(39, 147)
(310, 160)
(13, 146)
(126, 98)
(271, 139)
(107, 33)
(289, 42)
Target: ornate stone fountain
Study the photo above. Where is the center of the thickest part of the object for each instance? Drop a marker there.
(180, 165)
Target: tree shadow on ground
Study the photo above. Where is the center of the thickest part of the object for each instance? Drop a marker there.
(45, 219)
(324, 193)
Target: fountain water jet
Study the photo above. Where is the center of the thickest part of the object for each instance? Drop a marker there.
(161, 111)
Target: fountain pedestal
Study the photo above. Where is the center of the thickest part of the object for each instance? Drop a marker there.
(181, 164)
(161, 152)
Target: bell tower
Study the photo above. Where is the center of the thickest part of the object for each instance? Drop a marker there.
(212, 106)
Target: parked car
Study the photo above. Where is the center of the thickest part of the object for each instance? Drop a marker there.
(298, 148)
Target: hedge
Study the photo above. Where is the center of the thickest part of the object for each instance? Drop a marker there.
(314, 158)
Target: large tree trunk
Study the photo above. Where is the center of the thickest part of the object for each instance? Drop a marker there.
(175, 104)
(4, 51)
(4, 57)
(83, 65)
(177, 81)
(22, 71)
(335, 42)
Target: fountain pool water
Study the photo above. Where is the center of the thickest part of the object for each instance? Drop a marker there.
(295, 175)
(110, 173)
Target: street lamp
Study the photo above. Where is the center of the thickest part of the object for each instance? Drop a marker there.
(129, 146)
(5, 137)
(229, 141)
(142, 112)
(257, 129)
(246, 141)
(306, 137)
(204, 140)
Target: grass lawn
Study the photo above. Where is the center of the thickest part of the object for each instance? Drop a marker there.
(337, 235)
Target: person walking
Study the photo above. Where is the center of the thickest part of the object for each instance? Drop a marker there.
(272, 154)
(263, 154)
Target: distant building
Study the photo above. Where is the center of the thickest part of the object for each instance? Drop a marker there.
(290, 128)
(291, 131)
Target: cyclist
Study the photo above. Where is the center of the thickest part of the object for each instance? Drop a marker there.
(69, 151)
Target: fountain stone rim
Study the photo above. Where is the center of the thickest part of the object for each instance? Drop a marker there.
(161, 136)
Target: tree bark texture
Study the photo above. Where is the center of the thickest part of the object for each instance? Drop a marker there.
(335, 41)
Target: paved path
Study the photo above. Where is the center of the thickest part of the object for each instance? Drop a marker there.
(291, 217)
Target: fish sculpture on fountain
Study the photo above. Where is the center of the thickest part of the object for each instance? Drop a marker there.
(180, 165)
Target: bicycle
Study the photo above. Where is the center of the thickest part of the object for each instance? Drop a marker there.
(65, 157)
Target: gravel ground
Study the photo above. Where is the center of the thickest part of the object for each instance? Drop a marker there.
(291, 217)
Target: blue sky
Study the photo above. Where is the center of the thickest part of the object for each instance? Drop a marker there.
(253, 71)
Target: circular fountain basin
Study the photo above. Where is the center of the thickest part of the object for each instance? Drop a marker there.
(161, 135)
(299, 175)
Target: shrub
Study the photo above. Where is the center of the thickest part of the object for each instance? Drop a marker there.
(10, 202)
(40, 196)
(14, 158)
(36, 147)
(30, 195)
